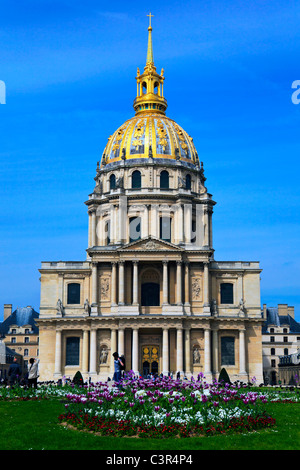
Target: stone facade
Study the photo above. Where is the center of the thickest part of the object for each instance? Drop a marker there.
(150, 286)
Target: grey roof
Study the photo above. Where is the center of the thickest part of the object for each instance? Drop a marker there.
(21, 316)
(280, 320)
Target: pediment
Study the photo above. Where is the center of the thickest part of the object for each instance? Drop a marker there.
(150, 244)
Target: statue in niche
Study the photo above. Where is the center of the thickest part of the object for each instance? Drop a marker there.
(103, 355)
(196, 355)
(87, 307)
(59, 307)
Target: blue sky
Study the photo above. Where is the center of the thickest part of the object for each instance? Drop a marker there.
(69, 69)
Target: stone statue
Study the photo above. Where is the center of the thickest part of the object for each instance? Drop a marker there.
(59, 307)
(242, 308)
(87, 307)
(213, 307)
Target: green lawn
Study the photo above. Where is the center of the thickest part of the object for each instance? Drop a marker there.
(34, 425)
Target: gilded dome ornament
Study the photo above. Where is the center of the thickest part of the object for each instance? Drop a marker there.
(150, 134)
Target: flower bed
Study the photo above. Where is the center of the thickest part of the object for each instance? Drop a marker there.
(166, 407)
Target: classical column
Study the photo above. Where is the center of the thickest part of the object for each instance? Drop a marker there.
(206, 226)
(94, 283)
(85, 352)
(135, 285)
(58, 353)
(165, 351)
(179, 350)
(207, 361)
(206, 304)
(180, 226)
(113, 348)
(135, 349)
(121, 348)
(113, 283)
(187, 284)
(121, 283)
(178, 284)
(242, 352)
(93, 351)
(165, 282)
(215, 351)
(187, 335)
(93, 234)
(187, 223)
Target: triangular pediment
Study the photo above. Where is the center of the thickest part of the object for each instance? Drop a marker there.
(150, 244)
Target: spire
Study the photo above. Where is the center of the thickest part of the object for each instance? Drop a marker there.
(150, 47)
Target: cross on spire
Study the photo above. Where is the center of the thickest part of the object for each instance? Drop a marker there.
(150, 16)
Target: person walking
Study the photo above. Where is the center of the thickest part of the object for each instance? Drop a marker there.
(33, 372)
(14, 372)
(118, 364)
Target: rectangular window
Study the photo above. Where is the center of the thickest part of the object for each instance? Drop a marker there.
(226, 293)
(227, 351)
(74, 293)
(72, 351)
(165, 229)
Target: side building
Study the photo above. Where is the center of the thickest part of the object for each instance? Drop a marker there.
(20, 333)
(280, 338)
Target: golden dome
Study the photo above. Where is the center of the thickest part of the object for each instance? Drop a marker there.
(150, 134)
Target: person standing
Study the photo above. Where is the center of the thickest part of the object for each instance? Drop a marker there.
(14, 372)
(118, 364)
(33, 372)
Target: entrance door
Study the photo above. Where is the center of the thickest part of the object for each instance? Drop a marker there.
(150, 360)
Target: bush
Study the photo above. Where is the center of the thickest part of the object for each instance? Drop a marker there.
(224, 377)
(78, 379)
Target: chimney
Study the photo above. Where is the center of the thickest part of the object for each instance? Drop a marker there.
(264, 311)
(7, 311)
(283, 309)
(291, 312)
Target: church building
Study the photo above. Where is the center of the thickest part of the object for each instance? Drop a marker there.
(150, 287)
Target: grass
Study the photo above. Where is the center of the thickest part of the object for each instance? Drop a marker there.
(27, 425)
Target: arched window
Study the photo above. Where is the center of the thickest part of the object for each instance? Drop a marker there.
(112, 181)
(226, 293)
(188, 182)
(134, 229)
(73, 293)
(227, 351)
(136, 180)
(72, 351)
(164, 180)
